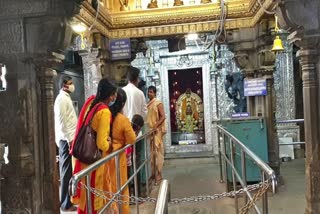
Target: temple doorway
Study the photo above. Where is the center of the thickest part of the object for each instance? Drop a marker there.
(186, 106)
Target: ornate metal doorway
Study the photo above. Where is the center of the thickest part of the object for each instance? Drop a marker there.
(186, 107)
(182, 63)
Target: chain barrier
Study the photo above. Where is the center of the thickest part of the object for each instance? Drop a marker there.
(262, 187)
(255, 198)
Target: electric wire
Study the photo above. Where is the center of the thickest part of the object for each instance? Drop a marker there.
(264, 9)
(97, 14)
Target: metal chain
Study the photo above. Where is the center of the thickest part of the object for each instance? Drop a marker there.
(117, 197)
(217, 196)
(250, 203)
(122, 199)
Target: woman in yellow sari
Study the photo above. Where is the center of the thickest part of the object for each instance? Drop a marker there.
(122, 134)
(97, 108)
(156, 120)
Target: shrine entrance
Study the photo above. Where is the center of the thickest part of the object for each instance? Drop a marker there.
(186, 106)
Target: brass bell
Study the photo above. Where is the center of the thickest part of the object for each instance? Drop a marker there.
(277, 44)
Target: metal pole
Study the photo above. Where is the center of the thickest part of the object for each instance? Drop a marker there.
(135, 177)
(233, 176)
(265, 196)
(244, 173)
(88, 183)
(220, 161)
(117, 165)
(163, 198)
(154, 157)
(146, 165)
(225, 161)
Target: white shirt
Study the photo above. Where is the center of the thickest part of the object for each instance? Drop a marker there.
(136, 102)
(65, 118)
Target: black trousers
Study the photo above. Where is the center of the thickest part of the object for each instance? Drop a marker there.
(139, 160)
(65, 167)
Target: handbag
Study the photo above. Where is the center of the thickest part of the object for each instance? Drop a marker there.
(85, 147)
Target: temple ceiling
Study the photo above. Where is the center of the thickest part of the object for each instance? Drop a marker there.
(170, 20)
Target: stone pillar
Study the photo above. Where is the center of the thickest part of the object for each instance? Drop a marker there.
(29, 31)
(285, 90)
(308, 39)
(91, 71)
(48, 147)
(269, 103)
(308, 60)
(266, 60)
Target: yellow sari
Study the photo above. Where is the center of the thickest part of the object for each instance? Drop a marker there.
(152, 118)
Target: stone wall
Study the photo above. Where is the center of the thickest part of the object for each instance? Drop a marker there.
(31, 30)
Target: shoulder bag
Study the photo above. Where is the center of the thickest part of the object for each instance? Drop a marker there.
(85, 146)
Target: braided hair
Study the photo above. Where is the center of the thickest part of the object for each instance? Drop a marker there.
(104, 91)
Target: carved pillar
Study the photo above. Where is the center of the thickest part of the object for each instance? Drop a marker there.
(269, 103)
(91, 71)
(285, 91)
(48, 147)
(267, 67)
(308, 60)
(308, 39)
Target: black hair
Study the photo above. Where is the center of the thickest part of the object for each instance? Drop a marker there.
(133, 74)
(64, 80)
(119, 103)
(153, 88)
(104, 91)
(137, 121)
(141, 84)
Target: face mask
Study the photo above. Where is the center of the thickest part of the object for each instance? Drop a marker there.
(71, 88)
(111, 102)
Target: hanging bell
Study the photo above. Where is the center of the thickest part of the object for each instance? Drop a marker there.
(277, 44)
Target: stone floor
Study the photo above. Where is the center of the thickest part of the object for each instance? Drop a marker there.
(200, 176)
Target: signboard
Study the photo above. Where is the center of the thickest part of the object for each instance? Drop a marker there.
(120, 49)
(255, 87)
(240, 115)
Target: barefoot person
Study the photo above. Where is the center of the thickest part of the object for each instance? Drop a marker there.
(156, 120)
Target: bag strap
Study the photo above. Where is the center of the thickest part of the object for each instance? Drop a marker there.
(94, 112)
(96, 107)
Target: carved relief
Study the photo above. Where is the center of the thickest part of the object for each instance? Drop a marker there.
(304, 29)
(9, 8)
(198, 18)
(20, 197)
(284, 84)
(11, 36)
(226, 66)
(91, 71)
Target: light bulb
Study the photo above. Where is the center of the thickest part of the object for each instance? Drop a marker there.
(79, 27)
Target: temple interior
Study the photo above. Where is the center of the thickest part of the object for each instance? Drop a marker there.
(202, 56)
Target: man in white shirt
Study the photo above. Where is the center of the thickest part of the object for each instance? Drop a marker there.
(135, 104)
(65, 119)
(136, 101)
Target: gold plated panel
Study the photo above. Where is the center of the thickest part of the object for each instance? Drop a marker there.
(174, 20)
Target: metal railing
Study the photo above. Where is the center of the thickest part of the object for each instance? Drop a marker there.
(85, 173)
(267, 174)
(163, 198)
(288, 122)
